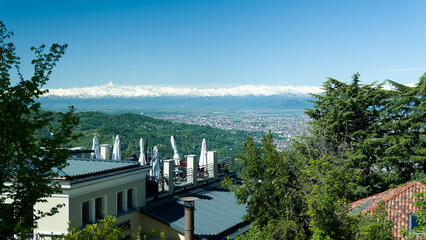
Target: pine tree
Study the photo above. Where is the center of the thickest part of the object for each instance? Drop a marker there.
(380, 131)
(269, 184)
(402, 144)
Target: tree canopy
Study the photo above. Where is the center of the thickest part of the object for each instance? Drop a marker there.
(293, 196)
(26, 160)
(381, 131)
(365, 139)
(107, 228)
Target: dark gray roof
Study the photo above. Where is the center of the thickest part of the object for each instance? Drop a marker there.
(237, 232)
(216, 213)
(79, 167)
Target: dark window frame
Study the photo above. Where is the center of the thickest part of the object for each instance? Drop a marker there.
(413, 224)
(99, 208)
(130, 203)
(120, 202)
(85, 213)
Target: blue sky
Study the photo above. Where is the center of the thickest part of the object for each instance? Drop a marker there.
(222, 43)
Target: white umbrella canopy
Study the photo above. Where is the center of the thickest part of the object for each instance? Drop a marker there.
(203, 154)
(116, 152)
(95, 147)
(155, 171)
(142, 158)
(176, 156)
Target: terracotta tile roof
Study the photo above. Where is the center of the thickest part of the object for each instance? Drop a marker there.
(370, 204)
(399, 203)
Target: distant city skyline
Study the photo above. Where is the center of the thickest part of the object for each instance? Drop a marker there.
(222, 44)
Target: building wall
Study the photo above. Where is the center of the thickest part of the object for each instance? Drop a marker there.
(107, 187)
(148, 223)
(58, 223)
(401, 206)
(110, 195)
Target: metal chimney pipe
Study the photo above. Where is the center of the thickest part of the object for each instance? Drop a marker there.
(189, 223)
(189, 206)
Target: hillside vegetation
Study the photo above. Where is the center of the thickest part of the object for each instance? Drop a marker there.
(131, 127)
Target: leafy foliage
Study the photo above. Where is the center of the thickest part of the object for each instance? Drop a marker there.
(107, 229)
(275, 229)
(25, 167)
(364, 140)
(326, 186)
(375, 226)
(268, 183)
(382, 132)
(295, 196)
(421, 218)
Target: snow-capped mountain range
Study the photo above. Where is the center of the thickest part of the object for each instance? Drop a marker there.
(119, 98)
(142, 91)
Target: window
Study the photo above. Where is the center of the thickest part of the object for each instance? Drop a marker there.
(414, 223)
(126, 200)
(99, 210)
(85, 213)
(129, 198)
(93, 210)
(119, 202)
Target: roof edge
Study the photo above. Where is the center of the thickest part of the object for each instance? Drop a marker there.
(387, 199)
(403, 189)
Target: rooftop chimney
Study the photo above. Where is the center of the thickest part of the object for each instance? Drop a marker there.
(189, 206)
(105, 151)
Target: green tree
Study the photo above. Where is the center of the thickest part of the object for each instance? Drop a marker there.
(421, 218)
(343, 118)
(26, 161)
(297, 196)
(374, 226)
(365, 140)
(269, 184)
(402, 147)
(343, 113)
(107, 229)
(275, 229)
(327, 185)
(381, 132)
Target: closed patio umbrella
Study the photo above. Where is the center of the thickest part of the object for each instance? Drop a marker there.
(95, 147)
(176, 156)
(116, 152)
(203, 155)
(142, 158)
(155, 171)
